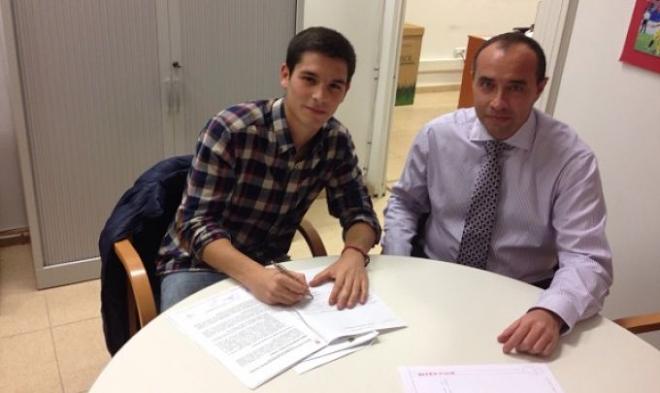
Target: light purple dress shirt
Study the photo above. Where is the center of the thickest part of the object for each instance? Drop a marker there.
(551, 208)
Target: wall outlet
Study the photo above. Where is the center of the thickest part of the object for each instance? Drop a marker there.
(459, 53)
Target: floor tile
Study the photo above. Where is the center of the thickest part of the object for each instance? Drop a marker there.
(28, 364)
(75, 302)
(22, 313)
(81, 353)
(16, 270)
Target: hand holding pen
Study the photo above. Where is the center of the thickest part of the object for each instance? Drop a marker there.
(288, 273)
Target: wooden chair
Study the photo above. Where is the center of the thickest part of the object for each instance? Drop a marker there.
(640, 323)
(141, 302)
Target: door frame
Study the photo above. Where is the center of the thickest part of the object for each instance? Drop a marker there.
(552, 29)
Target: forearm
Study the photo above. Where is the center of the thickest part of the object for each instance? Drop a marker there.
(578, 290)
(360, 235)
(224, 257)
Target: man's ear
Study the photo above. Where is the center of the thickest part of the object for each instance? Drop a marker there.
(541, 85)
(284, 76)
(348, 87)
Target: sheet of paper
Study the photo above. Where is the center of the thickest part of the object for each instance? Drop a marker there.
(499, 378)
(344, 343)
(331, 323)
(316, 361)
(253, 340)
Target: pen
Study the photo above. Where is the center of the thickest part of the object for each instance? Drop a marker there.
(286, 272)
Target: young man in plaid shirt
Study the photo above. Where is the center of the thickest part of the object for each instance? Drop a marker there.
(258, 167)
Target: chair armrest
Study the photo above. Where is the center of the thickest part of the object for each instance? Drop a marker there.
(312, 238)
(640, 323)
(138, 280)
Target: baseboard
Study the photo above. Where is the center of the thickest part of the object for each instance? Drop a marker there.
(439, 88)
(437, 75)
(12, 237)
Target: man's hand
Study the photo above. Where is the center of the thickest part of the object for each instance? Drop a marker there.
(536, 333)
(274, 287)
(350, 277)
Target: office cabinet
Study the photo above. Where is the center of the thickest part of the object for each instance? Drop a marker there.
(101, 90)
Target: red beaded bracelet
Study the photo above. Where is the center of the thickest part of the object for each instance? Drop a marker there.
(367, 259)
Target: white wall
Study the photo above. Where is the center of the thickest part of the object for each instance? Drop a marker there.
(447, 24)
(615, 108)
(12, 208)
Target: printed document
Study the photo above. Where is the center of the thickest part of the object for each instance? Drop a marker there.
(498, 378)
(256, 341)
(253, 340)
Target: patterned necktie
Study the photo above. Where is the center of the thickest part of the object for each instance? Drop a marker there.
(480, 219)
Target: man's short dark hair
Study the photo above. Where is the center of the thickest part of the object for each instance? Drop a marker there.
(321, 40)
(504, 41)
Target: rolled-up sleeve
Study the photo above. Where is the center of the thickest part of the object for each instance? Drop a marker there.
(348, 197)
(210, 183)
(584, 277)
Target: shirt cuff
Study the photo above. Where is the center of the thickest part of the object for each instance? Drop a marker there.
(561, 306)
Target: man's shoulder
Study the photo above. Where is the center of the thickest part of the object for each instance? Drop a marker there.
(560, 135)
(455, 123)
(247, 113)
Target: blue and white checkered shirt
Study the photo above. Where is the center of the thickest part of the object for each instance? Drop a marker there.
(246, 185)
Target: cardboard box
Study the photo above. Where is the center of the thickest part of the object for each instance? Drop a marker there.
(411, 47)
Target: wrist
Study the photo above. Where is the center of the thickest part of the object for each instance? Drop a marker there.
(357, 250)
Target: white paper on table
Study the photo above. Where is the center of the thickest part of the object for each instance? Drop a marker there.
(253, 340)
(315, 361)
(331, 323)
(344, 343)
(498, 378)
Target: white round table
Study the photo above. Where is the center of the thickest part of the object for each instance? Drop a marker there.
(453, 313)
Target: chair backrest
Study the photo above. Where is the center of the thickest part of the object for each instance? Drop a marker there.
(142, 214)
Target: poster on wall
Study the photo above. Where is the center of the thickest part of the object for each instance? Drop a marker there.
(642, 47)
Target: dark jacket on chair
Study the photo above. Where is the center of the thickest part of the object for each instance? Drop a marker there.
(143, 213)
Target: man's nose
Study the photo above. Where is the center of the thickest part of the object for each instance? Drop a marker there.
(499, 102)
(318, 93)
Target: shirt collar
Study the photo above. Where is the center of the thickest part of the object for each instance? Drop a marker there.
(283, 132)
(522, 139)
(281, 127)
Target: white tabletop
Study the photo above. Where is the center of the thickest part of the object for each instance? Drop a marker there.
(454, 315)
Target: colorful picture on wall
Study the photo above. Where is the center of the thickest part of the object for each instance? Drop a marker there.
(642, 47)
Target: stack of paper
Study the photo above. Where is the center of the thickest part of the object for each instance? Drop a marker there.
(256, 341)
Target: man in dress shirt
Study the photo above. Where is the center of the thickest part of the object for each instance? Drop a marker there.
(550, 216)
(258, 167)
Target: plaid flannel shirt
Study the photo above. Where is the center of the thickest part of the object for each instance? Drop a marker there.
(245, 185)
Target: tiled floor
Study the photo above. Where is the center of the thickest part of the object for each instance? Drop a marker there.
(52, 340)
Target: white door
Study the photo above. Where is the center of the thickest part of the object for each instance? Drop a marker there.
(374, 28)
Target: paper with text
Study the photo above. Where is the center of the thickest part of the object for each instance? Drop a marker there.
(499, 378)
(331, 323)
(253, 340)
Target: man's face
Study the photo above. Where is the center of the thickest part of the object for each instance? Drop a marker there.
(314, 90)
(505, 88)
